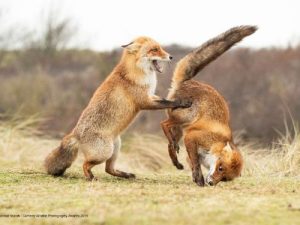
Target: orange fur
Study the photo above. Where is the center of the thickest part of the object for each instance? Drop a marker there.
(206, 124)
(127, 90)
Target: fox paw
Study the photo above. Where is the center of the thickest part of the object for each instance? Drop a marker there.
(91, 178)
(130, 176)
(183, 103)
(186, 103)
(179, 166)
(199, 181)
(125, 175)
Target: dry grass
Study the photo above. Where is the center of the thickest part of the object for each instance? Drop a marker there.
(281, 160)
(267, 193)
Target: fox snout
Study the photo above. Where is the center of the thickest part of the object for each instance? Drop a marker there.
(210, 181)
(169, 57)
(165, 56)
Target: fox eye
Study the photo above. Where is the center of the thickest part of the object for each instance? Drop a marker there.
(154, 49)
(220, 169)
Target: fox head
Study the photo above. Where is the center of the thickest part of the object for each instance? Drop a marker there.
(148, 54)
(227, 164)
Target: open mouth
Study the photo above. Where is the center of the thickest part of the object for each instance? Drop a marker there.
(157, 67)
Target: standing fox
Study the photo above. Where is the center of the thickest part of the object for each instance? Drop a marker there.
(207, 134)
(127, 90)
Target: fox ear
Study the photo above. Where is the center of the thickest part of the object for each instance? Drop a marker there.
(228, 148)
(131, 47)
(125, 46)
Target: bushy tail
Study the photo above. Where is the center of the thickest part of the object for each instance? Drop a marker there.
(62, 157)
(191, 64)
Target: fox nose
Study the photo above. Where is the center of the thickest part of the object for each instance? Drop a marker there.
(170, 57)
(211, 183)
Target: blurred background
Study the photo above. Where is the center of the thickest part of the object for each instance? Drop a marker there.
(54, 54)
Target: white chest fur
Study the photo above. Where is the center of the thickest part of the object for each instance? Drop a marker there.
(207, 160)
(149, 78)
(150, 81)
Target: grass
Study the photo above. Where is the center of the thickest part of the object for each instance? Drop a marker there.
(164, 198)
(267, 193)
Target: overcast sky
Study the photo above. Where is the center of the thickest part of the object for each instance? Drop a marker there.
(103, 25)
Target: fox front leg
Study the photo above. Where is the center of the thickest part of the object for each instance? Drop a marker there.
(156, 102)
(192, 150)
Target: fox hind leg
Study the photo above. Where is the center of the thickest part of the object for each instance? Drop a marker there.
(87, 166)
(173, 133)
(96, 151)
(110, 163)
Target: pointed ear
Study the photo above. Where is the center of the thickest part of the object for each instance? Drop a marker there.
(228, 148)
(125, 46)
(131, 47)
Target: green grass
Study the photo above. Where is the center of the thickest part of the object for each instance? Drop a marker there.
(267, 193)
(152, 198)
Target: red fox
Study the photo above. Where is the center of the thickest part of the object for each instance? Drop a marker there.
(207, 133)
(127, 90)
